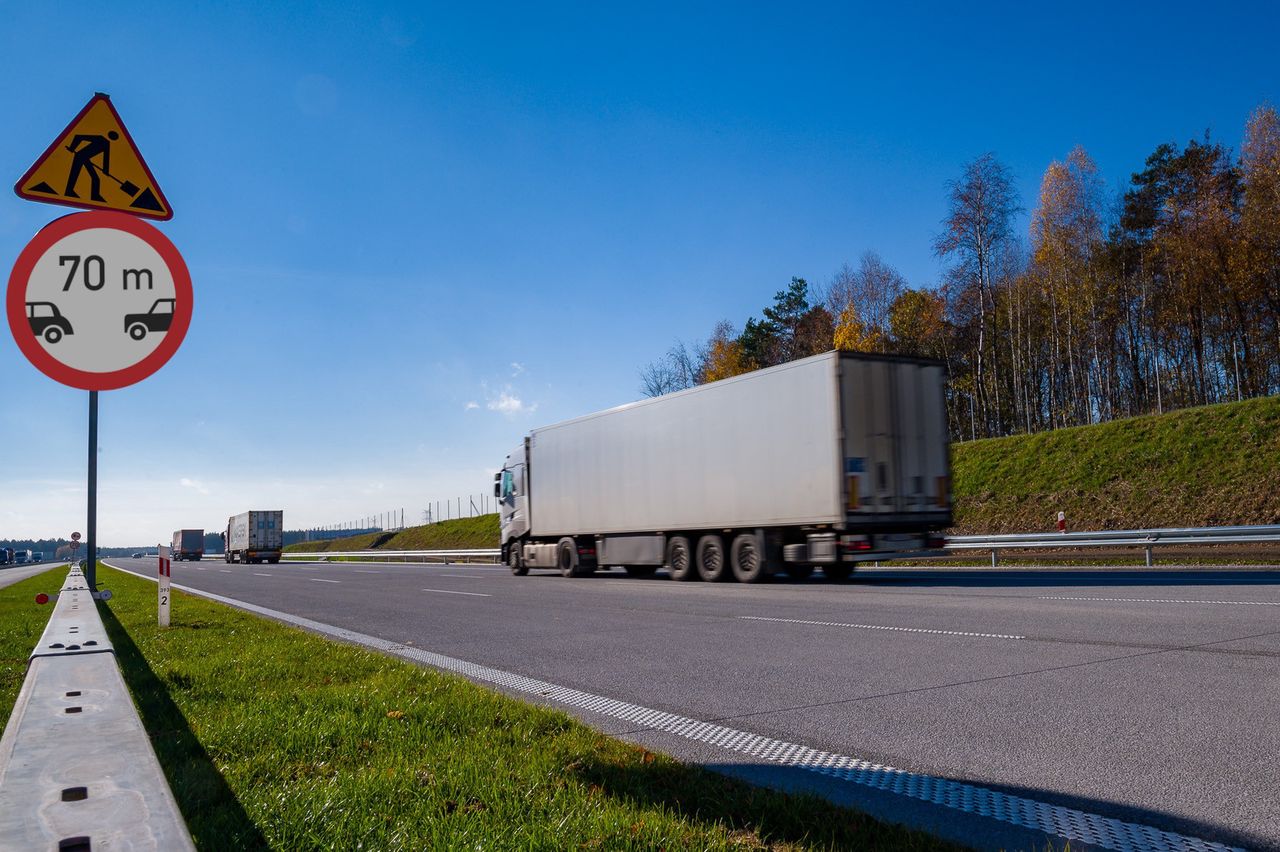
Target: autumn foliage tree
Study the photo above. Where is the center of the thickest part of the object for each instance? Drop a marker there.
(1166, 295)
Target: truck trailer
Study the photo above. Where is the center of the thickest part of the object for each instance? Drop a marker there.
(254, 536)
(187, 544)
(824, 462)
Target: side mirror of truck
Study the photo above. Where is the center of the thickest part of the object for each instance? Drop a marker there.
(497, 485)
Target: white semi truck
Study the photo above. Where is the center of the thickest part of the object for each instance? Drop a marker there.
(255, 536)
(823, 462)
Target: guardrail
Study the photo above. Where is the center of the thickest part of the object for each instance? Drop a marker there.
(1147, 539)
(77, 771)
(489, 554)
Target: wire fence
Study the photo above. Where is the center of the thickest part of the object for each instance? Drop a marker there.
(394, 520)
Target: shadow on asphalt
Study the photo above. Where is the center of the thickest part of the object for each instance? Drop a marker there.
(212, 812)
(986, 578)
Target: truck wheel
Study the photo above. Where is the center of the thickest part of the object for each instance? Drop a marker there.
(640, 570)
(567, 559)
(712, 566)
(514, 562)
(680, 559)
(837, 572)
(800, 572)
(226, 557)
(747, 560)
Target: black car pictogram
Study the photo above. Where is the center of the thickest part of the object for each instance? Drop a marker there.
(47, 321)
(156, 319)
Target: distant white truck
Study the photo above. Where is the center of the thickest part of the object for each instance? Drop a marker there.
(254, 536)
(823, 462)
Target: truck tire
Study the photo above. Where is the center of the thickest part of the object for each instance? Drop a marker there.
(514, 562)
(799, 571)
(567, 559)
(680, 559)
(712, 564)
(640, 570)
(226, 557)
(747, 559)
(837, 572)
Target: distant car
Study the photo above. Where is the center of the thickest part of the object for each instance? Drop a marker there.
(159, 318)
(47, 321)
(136, 556)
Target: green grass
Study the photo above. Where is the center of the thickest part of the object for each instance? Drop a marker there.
(460, 534)
(22, 621)
(1209, 466)
(272, 737)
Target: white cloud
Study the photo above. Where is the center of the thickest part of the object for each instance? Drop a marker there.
(471, 406)
(509, 404)
(516, 368)
(193, 484)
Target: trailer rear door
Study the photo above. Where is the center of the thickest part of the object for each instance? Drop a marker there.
(895, 442)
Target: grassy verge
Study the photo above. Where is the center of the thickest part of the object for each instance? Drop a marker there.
(22, 621)
(275, 738)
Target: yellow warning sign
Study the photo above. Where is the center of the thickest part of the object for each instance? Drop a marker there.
(94, 164)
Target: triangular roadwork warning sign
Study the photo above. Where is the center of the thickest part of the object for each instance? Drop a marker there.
(94, 164)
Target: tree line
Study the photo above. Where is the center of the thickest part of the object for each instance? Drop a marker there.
(1165, 296)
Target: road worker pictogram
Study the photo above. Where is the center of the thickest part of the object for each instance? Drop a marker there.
(94, 163)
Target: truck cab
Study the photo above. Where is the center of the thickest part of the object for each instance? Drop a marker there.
(510, 489)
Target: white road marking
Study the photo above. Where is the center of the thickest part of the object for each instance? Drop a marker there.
(882, 627)
(225, 570)
(256, 574)
(198, 568)
(464, 576)
(1158, 600)
(362, 571)
(1021, 811)
(322, 580)
(448, 592)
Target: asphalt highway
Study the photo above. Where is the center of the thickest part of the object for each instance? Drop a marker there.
(1147, 697)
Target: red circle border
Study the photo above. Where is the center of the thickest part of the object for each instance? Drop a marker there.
(42, 242)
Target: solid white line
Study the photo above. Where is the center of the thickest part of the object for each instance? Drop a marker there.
(1159, 600)
(883, 627)
(322, 580)
(448, 592)
(1021, 811)
(256, 574)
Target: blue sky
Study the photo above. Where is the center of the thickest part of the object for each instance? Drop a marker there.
(415, 231)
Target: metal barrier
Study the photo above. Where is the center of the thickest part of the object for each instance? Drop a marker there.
(489, 554)
(77, 770)
(1147, 539)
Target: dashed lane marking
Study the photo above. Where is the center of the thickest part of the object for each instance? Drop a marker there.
(256, 574)
(450, 592)
(1055, 820)
(1157, 600)
(322, 580)
(882, 627)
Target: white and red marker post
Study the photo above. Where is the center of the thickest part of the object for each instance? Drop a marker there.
(165, 569)
(1062, 522)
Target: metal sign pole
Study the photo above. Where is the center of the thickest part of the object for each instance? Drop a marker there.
(91, 574)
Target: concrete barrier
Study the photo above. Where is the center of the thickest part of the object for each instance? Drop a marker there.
(77, 771)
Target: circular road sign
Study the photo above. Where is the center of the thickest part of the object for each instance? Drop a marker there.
(75, 536)
(99, 300)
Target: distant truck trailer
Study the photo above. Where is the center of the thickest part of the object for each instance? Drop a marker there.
(6, 555)
(825, 462)
(187, 545)
(254, 537)
(21, 557)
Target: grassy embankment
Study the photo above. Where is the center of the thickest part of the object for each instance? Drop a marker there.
(1210, 466)
(272, 737)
